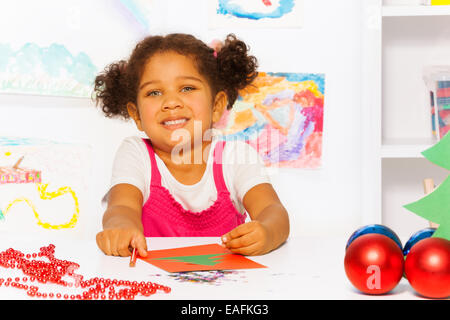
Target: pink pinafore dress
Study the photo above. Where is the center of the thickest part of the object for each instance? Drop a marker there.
(163, 216)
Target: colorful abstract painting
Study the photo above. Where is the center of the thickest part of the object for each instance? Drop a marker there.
(64, 45)
(281, 116)
(256, 13)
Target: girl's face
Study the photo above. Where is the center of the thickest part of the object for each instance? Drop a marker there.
(172, 97)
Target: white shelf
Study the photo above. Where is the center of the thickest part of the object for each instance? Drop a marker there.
(405, 148)
(412, 11)
(397, 42)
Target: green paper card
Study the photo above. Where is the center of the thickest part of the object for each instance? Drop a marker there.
(439, 154)
(435, 207)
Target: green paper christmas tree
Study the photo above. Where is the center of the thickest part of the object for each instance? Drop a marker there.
(204, 259)
(435, 206)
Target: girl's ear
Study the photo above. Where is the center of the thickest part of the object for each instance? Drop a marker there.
(220, 104)
(134, 114)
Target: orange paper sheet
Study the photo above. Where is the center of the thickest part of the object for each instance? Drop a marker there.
(199, 258)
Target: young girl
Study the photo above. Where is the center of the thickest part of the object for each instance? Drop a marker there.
(175, 88)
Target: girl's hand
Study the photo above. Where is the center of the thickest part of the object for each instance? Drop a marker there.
(251, 238)
(117, 242)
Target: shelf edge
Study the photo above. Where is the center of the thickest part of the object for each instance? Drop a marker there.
(415, 11)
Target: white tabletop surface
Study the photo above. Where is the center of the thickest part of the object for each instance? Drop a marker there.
(303, 268)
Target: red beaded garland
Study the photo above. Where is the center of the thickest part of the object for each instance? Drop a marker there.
(54, 270)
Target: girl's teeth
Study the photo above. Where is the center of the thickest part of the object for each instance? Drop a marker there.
(173, 122)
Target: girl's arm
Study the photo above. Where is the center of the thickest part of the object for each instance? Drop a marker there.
(122, 226)
(269, 227)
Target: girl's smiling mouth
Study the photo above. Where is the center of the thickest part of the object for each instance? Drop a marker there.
(173, 123)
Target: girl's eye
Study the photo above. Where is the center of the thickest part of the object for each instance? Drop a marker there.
(153, 93)
(187, 89)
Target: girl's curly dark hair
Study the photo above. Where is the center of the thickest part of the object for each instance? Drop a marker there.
(230, 70)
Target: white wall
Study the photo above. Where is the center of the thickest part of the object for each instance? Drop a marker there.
(325, 201)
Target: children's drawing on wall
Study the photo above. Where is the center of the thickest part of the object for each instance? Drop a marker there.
(256, 13)
(62, 56)
(43, 186)
(49, 70)
(281, 116)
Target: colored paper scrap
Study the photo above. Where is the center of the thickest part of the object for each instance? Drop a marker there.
(435, 207)
(439, 154)
(198, 258)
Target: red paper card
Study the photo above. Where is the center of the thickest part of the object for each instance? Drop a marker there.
(199, 258)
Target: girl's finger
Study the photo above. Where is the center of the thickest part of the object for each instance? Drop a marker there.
(102, 243)
(140, 244)
(248, 250)
(237, 232)
(114, 239)
(123, 248)
(242, 241)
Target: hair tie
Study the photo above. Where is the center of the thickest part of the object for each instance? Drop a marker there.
(216, 45)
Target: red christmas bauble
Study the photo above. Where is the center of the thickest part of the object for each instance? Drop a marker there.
(374, 263)
(427, 267)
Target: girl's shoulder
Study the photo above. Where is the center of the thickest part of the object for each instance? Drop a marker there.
(131, 165)
(132, 149)
(133, 144)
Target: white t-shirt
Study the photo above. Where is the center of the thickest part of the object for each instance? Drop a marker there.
(242, 168)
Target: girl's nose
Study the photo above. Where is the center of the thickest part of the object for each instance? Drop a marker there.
(172, 103)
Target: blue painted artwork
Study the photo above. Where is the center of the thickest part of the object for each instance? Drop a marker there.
(51, 70)
(255, 9)
(137, 11)
(62, 48)
(21, 141)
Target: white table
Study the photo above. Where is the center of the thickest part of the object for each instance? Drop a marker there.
(303, 268)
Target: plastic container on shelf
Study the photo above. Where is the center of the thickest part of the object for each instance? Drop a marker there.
(437, 80)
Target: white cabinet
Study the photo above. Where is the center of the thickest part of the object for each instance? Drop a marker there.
(398, 42)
